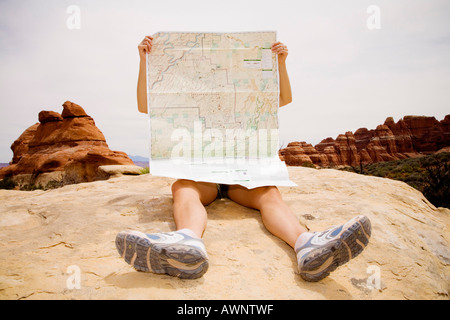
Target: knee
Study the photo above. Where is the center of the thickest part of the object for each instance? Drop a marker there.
(181, 185)
(269, 194)
(188, 190)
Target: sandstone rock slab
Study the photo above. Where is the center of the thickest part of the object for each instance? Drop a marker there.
(46, 235)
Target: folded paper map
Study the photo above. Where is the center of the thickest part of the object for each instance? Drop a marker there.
(213, 103)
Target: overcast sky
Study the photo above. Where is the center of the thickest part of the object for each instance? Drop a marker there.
(344, 75)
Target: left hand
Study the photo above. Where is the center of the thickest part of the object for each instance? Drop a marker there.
(145, 47)
(281, 50)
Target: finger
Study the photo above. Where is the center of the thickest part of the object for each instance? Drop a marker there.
(275, 43)
(147, 40)
(278, 48)
(280, 45)
(142, 45)
(147, 44)
(281, 50)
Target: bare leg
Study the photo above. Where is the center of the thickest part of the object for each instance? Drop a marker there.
(189, 201)
(276, 215)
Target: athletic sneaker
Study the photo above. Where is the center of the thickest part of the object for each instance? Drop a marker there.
(320, 253)
(173, 253)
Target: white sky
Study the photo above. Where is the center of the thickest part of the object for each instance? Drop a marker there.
(343, 75)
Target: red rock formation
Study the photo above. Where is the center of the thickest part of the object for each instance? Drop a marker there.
(411, 136)
(294, 154)
(68, 142)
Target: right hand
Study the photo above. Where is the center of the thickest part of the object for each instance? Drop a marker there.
(145, 46)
